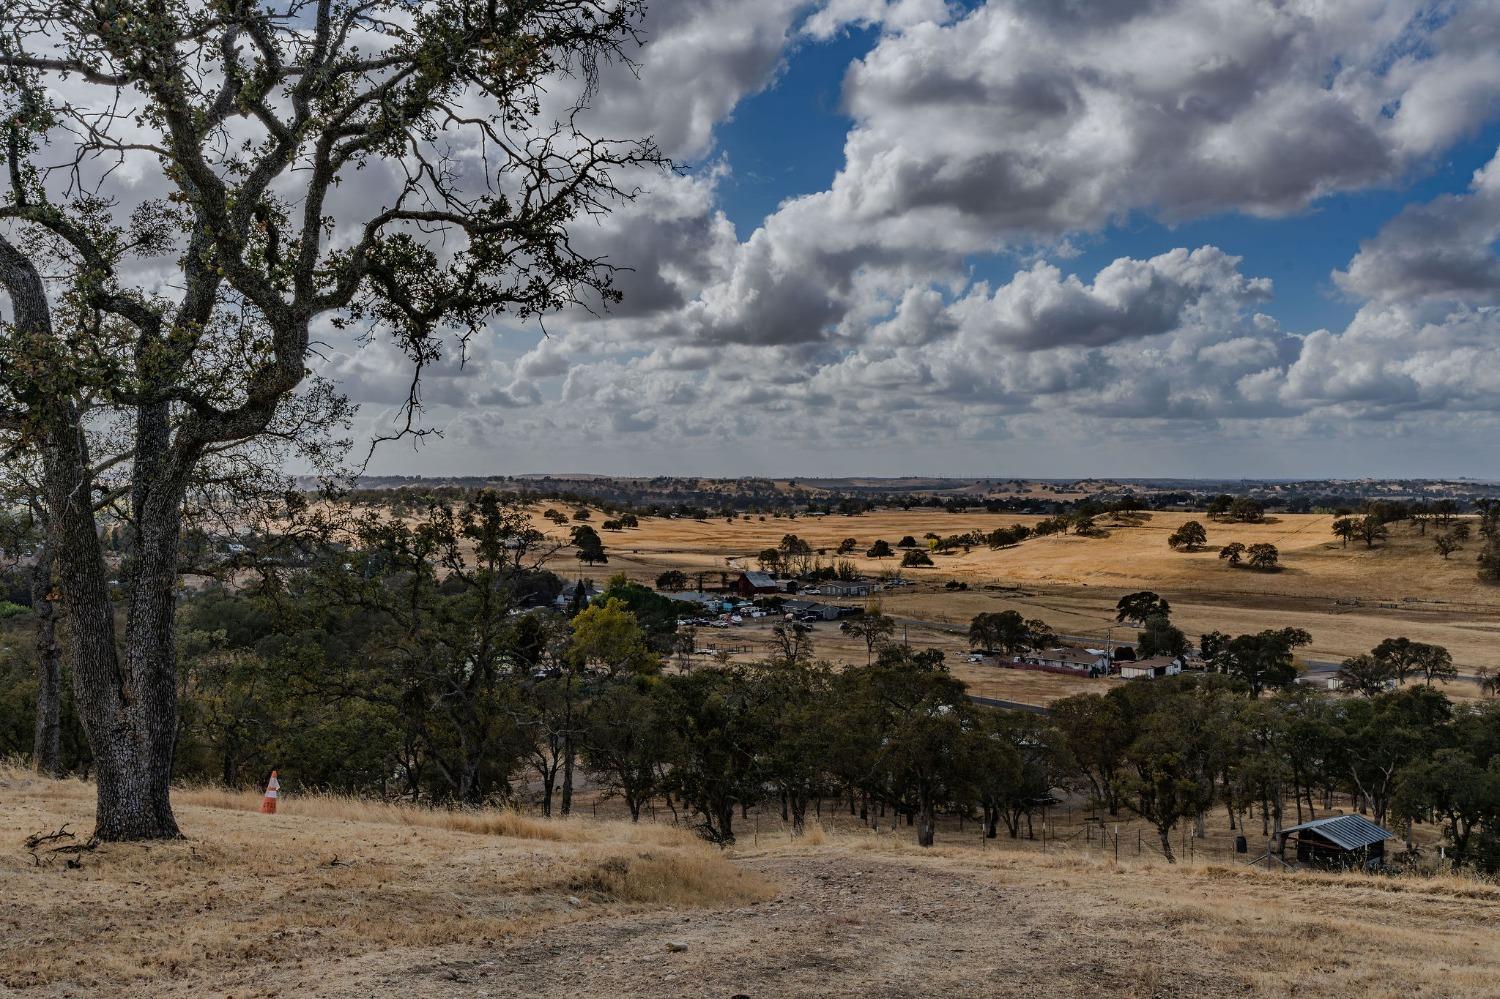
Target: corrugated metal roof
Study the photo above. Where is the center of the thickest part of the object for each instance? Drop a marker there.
(1349, 831)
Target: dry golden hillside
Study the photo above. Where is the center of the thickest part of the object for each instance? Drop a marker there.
(339, 898)
(1348, 598)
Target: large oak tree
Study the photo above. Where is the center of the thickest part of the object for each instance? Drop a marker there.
(147, 338)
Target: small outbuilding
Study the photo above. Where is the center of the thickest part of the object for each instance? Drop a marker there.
(1151, 668)
(1339, 841)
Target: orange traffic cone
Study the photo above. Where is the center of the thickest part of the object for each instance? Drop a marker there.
(273, 790)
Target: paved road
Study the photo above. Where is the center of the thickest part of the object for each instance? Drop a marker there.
(1320, 670)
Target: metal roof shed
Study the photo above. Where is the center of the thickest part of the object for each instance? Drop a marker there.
(1337, 841)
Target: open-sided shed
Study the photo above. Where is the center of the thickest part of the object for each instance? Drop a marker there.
(1337, 841)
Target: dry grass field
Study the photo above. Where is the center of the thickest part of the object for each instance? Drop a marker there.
(264, 905)
(1402, 587)
(341, 899)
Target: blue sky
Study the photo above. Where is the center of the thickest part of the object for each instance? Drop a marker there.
(1009, 237)
(788, 139)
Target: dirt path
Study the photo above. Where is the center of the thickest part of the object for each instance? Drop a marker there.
(862, 926)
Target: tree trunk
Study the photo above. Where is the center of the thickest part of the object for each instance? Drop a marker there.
(927, 827)
(725, 831)
(46, 747)
(549, 779)
(570, 750)
(567, 784)
(129, 708)
(1166, 844)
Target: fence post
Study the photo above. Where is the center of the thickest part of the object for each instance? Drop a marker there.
(1117, 842)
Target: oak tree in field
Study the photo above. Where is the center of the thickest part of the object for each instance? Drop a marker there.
(1262, 661)
(1095, 735)
(1446, 544)
(880, 549)
(1247, 511)
(673, 581)
(1263, 556)
(796, 555)
(1370, 529)
(1189, 537)
(1345, 529)
(589, 546)
(1136, 608)
(915, 558)
(1174, 758)
(1366, 675)
(1007, 632)
(1407, 658)
(1457, 787)
(873, 628)
(145, 338)
(1232, 553)
(1434, 662)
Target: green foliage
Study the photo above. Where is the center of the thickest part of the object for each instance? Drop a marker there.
(1262, 556)
(1139, 607)
(1405, 658)
(1007, 632)
(1366, 675)
(589, 547)
(1345, 529)
(719, 724)
(1189, 537)
(1004, 537)
(606, 636)
(1261, 661)
(1370, 529)
(673, 580)
(1160, 638)
(906, 719)
(657, 615)
(873, 628)
(1489, 560)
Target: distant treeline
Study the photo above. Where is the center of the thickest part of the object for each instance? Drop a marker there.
(706, 499)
